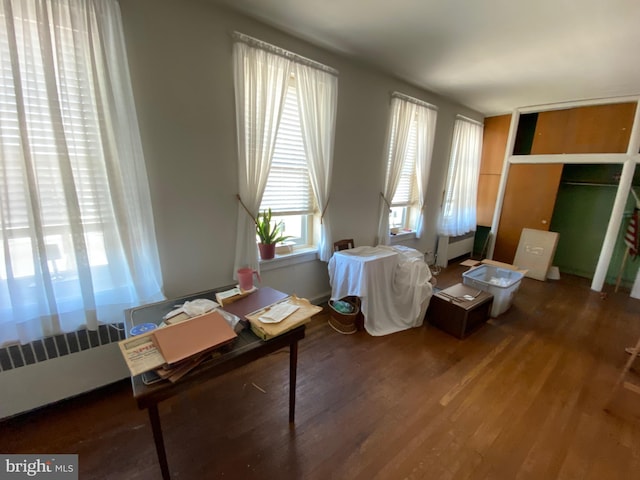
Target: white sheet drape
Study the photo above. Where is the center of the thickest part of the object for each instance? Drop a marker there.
(317, 98)
(76, 227)
(458, 215)
(426, 120)
(400, 119)
(261, 80)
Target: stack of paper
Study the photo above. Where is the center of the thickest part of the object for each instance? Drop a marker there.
(190, 337)
(232, 295)
(278, 313)
(301, 311)
(174, 350)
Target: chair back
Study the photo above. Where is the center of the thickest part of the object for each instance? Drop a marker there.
(343, 244)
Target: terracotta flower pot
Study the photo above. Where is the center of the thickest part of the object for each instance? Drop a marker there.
(267, 250)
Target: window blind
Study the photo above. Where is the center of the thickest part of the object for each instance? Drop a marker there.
(81, 136)
(288, 189)
(70, 158)
(406, 190)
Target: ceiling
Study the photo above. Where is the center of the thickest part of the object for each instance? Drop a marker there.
(490, 55)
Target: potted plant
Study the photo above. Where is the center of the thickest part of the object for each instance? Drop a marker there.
(269, 233)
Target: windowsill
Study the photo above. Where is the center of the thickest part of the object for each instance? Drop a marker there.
(301, 255)
(400, 237)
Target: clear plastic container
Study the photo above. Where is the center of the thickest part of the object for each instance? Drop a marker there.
(502, 283)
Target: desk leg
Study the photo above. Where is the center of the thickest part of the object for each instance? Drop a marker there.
(293, 366)
(154, 417)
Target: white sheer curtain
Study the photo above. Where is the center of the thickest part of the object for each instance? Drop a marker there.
(261, 79)
(76, 225)
(426, 129)
(458, 215)
(317, 98)
(401, 116)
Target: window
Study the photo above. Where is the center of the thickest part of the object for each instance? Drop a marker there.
(81, 129)
(285, 111)
(288, 192)
(406, 192)
(76, 231)
(412, 124)
(458, 214)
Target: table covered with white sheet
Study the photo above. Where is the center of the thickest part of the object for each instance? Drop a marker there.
(392, 283)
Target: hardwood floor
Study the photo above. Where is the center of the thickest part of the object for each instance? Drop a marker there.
(522, 398)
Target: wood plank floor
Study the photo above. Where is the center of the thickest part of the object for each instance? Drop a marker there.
(521, 398)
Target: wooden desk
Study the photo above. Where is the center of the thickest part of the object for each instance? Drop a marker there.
(247, 348)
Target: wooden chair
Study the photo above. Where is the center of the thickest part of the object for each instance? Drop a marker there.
(343, 244)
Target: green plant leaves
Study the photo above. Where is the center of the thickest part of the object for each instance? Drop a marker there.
(267, 231)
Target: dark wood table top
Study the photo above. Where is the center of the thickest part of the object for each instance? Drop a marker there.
(246, 348)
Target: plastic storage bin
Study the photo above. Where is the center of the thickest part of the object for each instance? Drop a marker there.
(500, 282)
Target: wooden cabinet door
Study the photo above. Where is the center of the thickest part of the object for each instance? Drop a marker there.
(550, 134)
(531, 189)
(529, 199)
(488, 185)
(494, 144)
(590, 129)
(599, 128)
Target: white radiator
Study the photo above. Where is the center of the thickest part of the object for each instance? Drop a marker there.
(41, 383)
(51, 369)
(454, 247)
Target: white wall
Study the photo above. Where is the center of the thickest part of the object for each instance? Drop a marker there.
(181, 67)
(180, 60)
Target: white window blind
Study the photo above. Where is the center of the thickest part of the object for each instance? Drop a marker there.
(81, 138)
(406, 191)
(75, 233)
(288, 189)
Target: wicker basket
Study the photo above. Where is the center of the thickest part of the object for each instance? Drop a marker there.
(345, 323)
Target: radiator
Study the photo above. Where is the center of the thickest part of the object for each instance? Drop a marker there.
(52, 369)
(454, 247)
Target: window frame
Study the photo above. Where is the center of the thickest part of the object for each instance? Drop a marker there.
(408, 206)
(307, 215)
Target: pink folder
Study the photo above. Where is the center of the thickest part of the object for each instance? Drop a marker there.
(182, 340)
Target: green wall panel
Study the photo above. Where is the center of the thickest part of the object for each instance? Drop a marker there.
(581, 216)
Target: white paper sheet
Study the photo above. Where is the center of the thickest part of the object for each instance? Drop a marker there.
(278, 313)
(141, 354)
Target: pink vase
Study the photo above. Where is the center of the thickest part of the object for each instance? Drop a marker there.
(245, 278)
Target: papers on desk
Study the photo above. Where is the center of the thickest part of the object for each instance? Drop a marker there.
(220, 296)
(175, 349)
(199, 334)
(301, 312)
(278, 313)
(141, 354)
(196, 307)
(233, 295)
